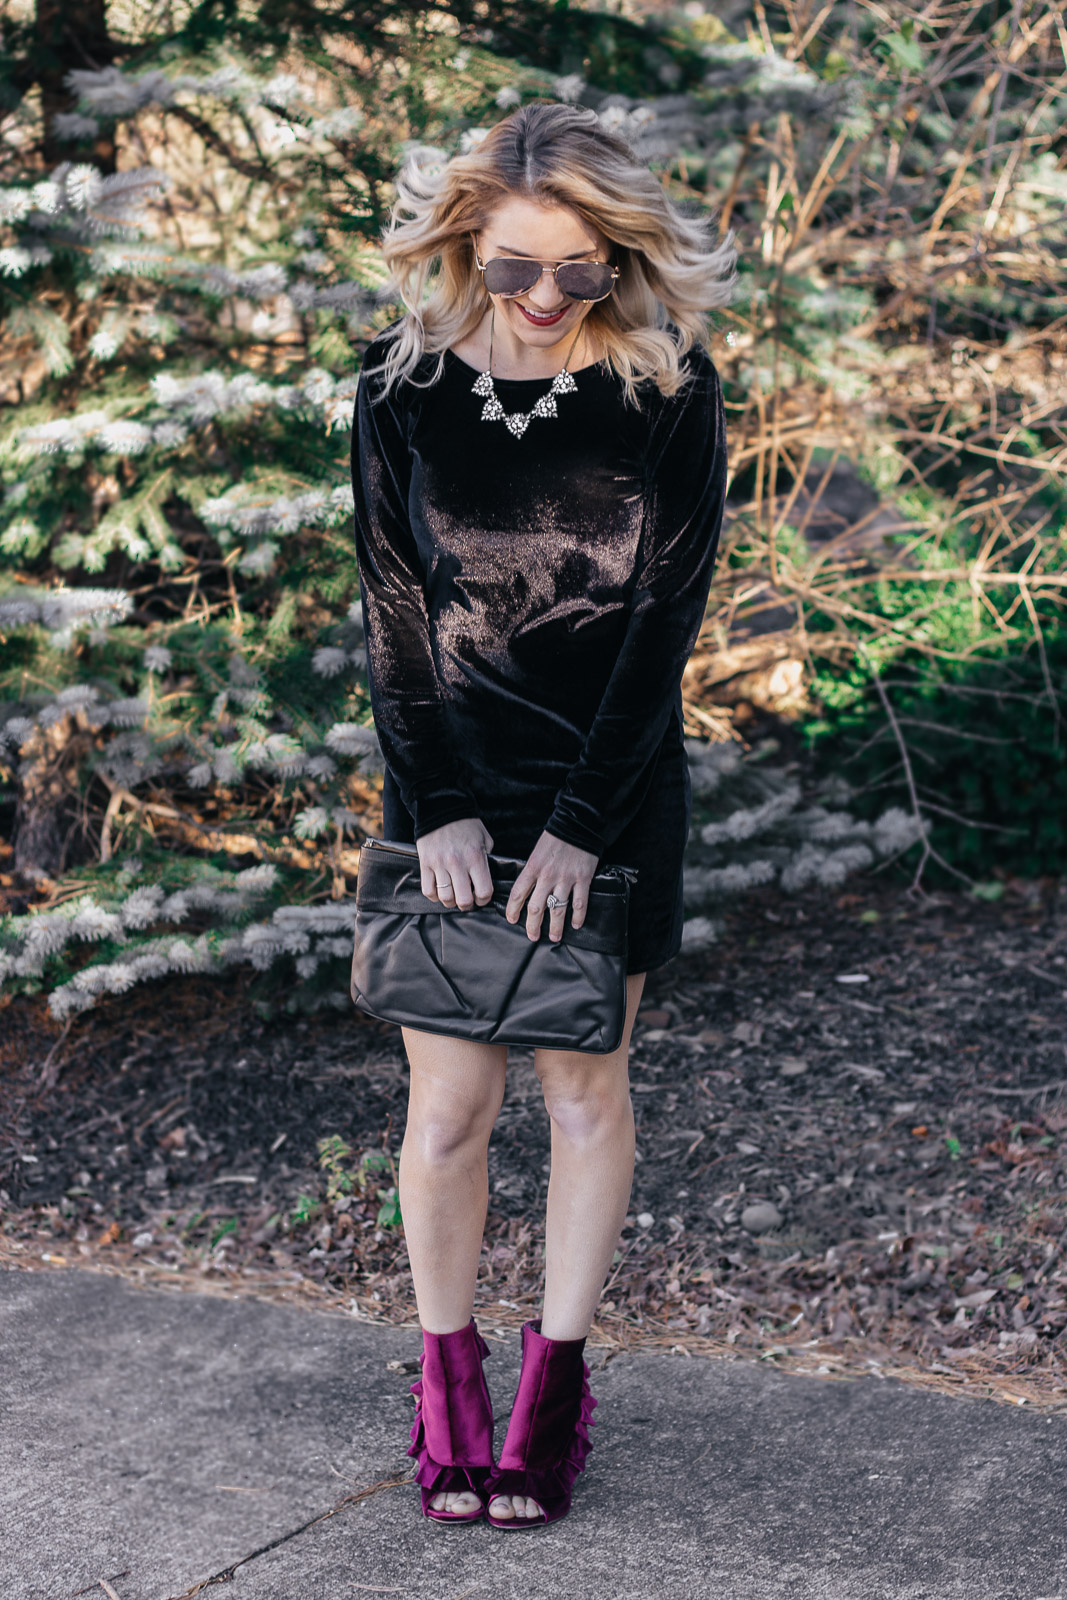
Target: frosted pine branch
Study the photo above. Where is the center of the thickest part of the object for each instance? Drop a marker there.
(60, 609)
(110, 92)
(196, 401)
(355, 739)
(746, 824)
(17, 260)
(319, 508)
(774, 837)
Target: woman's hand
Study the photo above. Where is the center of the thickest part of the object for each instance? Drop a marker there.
(452, 860)
(553, 867)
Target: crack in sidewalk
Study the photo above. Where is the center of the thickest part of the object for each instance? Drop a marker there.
(227, 1573)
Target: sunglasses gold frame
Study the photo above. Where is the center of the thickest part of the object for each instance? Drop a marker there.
(554, 267)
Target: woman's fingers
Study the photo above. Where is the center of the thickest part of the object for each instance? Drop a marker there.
(557, 915)
(458, 882)
(555, 868)
(481, 881)
(524, 883)
(535, 908)
(453, 869)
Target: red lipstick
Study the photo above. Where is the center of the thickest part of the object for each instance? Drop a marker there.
(544, 322)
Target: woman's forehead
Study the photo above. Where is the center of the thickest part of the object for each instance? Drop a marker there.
(525, 228)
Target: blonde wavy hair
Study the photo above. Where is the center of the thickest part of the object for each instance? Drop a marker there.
(672, 269)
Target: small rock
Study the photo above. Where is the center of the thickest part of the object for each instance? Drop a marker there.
(760, 1217)
(748, 1032)
(792, 1066)
(141, 1240)
(645, 1219)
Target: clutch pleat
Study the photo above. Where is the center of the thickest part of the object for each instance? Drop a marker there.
(475, 975)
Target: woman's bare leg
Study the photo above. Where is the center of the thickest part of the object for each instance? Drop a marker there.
(588, 1100)
(457, 1087)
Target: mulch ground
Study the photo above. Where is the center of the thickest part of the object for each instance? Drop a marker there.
(889, 1073)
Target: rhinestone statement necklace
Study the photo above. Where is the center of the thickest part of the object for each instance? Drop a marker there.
(518, 421)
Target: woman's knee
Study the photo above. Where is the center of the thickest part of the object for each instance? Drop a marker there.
(449, 1126)
(454, 1100)
(586, 1104)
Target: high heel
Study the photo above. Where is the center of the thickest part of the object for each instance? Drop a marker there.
(452, 1435)
(547, 1440)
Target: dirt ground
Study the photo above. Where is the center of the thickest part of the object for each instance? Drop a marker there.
(887, 1072)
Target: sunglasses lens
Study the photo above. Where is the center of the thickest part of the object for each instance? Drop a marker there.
(585, 280)
(509, 275)
(579, 280)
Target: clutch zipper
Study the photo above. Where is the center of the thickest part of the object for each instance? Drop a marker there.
(630, 873)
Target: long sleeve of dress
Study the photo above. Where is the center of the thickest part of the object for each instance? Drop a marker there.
(685, 487)
(405, 692)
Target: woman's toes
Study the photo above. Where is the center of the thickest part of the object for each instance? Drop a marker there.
(459, 1502)
(519, 1506)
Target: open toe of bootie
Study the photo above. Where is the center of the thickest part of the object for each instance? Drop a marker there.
(548, 1439)
(454, 1481)
(452, 1435)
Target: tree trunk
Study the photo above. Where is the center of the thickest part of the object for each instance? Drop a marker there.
(42, 799)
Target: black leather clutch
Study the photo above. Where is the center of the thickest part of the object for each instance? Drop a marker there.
(475, 975)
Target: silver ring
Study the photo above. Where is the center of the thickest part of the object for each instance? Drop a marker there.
(554, 901)
(447, 882)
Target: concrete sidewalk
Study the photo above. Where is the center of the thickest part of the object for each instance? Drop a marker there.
(153, 1439)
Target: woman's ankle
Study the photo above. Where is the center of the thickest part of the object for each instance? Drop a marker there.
(439, 1327)
(563, 1329)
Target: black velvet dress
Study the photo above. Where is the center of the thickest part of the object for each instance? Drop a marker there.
(530, 603)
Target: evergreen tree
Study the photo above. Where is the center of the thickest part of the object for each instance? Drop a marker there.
(188, 274)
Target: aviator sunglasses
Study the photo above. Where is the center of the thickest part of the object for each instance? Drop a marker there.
(578, 280)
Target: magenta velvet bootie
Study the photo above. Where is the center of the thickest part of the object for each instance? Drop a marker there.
(452, 1436)
(547, 1440)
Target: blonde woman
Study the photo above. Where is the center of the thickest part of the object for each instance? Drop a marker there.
(539, 472)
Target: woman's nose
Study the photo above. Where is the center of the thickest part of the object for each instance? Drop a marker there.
(545, 292)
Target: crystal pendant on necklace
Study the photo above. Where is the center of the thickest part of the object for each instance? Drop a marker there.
(517, 422)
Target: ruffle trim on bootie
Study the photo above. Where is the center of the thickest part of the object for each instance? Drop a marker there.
(434, 1477)
(552, 1487)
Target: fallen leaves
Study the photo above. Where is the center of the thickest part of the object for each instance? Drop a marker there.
(921, 1216)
